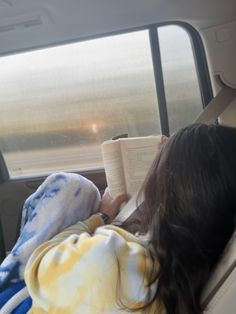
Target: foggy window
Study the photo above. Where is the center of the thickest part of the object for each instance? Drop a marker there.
(183, 97)
(59, 104)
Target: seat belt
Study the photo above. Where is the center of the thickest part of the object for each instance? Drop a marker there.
(217, 105)
(209, 115)
(128, 209)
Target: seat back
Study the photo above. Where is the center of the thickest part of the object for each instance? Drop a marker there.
(219, 295)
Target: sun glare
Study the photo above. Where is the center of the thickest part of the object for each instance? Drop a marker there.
(94, 128)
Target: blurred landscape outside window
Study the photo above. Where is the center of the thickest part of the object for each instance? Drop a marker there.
(59, 104)
(183, 96)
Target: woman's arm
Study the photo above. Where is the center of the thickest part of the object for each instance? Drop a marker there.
(78, 269)
(87, 226)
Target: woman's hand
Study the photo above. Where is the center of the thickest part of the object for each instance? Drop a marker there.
(110, 206)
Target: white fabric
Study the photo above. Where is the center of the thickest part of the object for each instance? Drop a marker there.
(16, 300)
(60, 201)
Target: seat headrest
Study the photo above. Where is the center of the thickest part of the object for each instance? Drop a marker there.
(224, 268)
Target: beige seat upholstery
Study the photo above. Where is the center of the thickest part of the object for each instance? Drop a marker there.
(219, 295)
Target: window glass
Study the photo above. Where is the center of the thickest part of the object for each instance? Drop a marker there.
(59, 104)
(182, 90)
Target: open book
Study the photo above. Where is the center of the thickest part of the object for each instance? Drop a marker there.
(127, 161)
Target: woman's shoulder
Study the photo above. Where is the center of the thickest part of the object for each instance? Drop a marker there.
(110, 260)
(119, 232)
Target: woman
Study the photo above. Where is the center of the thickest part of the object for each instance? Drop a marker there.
(190, 204)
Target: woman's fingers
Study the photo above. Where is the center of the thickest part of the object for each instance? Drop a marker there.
(111, 206)
(121, 199)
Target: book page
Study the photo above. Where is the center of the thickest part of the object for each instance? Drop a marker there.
(112, 160)
(138, 155)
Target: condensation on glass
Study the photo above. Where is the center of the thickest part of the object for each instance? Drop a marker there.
(182, 90)
(59, 104)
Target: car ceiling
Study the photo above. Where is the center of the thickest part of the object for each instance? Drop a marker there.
(30, 24)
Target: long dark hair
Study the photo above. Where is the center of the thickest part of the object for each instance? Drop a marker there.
(190, 202)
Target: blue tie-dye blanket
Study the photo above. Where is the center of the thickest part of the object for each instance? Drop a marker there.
(61, 201)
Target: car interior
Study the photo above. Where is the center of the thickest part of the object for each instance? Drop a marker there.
(29, 26)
